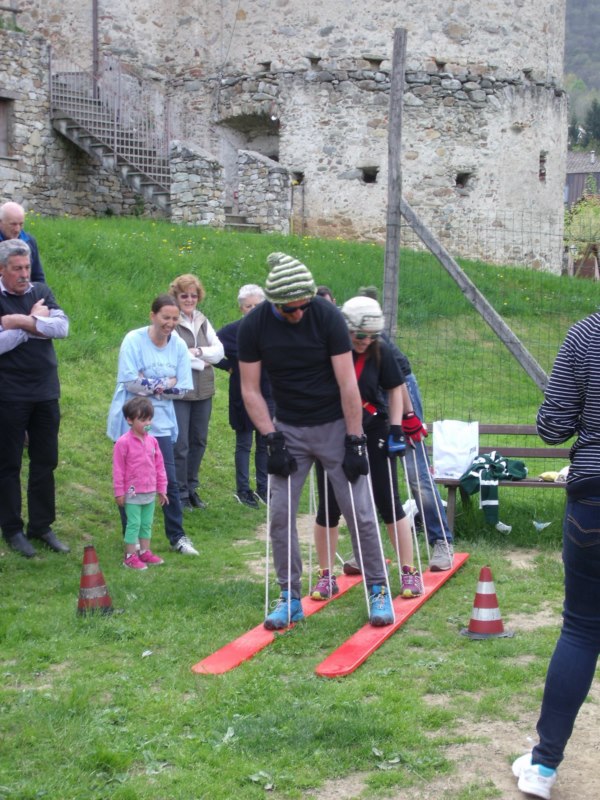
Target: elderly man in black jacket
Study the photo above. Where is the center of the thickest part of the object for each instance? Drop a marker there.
(30, 318)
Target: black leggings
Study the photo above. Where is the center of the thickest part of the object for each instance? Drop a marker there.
(377, 434)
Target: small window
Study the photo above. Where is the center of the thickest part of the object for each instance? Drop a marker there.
(369, 174)
(5, 117)
(297, 178)
(542, 166)
(265, 66)
(462, 179)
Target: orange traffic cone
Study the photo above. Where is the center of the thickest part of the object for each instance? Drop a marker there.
(93, 593)
(486, 622)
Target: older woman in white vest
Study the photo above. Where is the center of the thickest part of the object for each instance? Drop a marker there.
(193, 410)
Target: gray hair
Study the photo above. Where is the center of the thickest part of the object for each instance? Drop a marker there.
(250, 290)
(13, 247)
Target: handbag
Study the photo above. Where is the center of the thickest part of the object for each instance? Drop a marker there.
(455, 445)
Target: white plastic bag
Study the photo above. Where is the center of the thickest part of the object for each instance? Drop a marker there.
(455, 445)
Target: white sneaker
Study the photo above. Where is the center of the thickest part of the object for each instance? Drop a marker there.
(443, 554)
(531, 781)
(185, 547)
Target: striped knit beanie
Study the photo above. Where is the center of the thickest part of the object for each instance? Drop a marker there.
(288, 280)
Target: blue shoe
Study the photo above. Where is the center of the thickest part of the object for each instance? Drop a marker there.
(381, 606)
(280, 617)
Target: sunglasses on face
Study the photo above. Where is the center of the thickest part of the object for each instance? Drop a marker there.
(188, 296)
(362, 336)
(291, 309)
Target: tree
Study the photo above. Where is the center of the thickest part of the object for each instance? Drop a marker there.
(592, 121)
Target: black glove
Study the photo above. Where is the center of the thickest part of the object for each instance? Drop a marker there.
(355, 458)
(396, 443)
(279, 461)
(413, 428)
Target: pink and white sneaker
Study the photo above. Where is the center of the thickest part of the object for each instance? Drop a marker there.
(148, 557)
(133, 561)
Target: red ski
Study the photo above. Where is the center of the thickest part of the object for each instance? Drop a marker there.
(249, 644)
(355, 650)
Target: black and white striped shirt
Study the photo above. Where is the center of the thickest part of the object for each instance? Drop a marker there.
(572, 401)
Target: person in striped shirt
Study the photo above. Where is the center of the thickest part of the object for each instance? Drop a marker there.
(571, 408)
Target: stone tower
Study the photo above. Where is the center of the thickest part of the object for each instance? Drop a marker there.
(305, 86)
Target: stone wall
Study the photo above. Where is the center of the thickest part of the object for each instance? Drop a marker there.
(264, 192)
(197, 196)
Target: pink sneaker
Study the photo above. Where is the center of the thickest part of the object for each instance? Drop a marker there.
(133, 561)
(148, 557)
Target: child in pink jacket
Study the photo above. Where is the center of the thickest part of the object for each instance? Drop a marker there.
(139, 478)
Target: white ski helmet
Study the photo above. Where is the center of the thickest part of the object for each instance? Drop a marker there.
(363, 314)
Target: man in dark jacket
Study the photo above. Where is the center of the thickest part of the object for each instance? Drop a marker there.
(12, 219)
(29, 319)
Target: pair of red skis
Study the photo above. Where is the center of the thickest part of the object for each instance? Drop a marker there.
(352, 653)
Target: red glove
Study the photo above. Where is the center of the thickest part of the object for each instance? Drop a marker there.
(413, 428)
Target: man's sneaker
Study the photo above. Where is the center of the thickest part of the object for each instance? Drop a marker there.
(412, 585)
(185, 547)
(534, 779)
(148, 557)
(284, 613)
(133, 561)
(351, 567)
(246, 499)
(443, 554)
(261, 496)
(381, 607)
(326, 586)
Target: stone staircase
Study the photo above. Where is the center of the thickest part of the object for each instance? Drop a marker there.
(91, 125)
(237, 222)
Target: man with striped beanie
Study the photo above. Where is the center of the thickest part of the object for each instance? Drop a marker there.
(302, 342)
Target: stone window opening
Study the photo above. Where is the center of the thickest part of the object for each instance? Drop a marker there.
(463, 180)
(265, 65)
(369, 174)
(297, 178)
(6, 106)
(542, 166)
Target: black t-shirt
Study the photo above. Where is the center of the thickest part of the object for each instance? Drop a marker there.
(378, 376)
(297, 359)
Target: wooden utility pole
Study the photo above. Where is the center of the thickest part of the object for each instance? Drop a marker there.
(394, 195)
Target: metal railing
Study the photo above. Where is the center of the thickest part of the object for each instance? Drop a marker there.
(127, 115)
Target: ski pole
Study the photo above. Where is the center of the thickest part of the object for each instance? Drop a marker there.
(267, 546)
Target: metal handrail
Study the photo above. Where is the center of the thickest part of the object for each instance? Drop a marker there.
(127, 115)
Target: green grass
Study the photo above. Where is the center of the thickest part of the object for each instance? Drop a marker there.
(98, 708)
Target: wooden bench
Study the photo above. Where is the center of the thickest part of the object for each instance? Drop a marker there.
(528, 452)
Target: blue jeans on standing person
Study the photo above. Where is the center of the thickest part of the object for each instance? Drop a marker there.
(420, 479)
(573, 662)
(243, 448)
(172, 511)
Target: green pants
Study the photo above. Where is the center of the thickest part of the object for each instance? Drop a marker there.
(139, 521)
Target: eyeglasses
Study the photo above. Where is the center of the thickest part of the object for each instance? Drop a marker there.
(186, 296)
(291, 309)
(362, 336)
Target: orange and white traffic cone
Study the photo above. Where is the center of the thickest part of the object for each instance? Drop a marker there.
(93, 592)
(486, 622)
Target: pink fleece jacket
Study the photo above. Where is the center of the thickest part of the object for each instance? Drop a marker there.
(138, 465)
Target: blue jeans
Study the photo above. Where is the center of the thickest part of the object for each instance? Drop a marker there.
(243, 447)
(573, 662)
(420, 480)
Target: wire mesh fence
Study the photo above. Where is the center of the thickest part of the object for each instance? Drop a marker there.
(464, 370)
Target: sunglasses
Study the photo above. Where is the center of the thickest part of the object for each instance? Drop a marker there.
(291, 309)
(187, 296)
(362, 336)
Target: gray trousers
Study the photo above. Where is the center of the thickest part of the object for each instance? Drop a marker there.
(325, 443)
